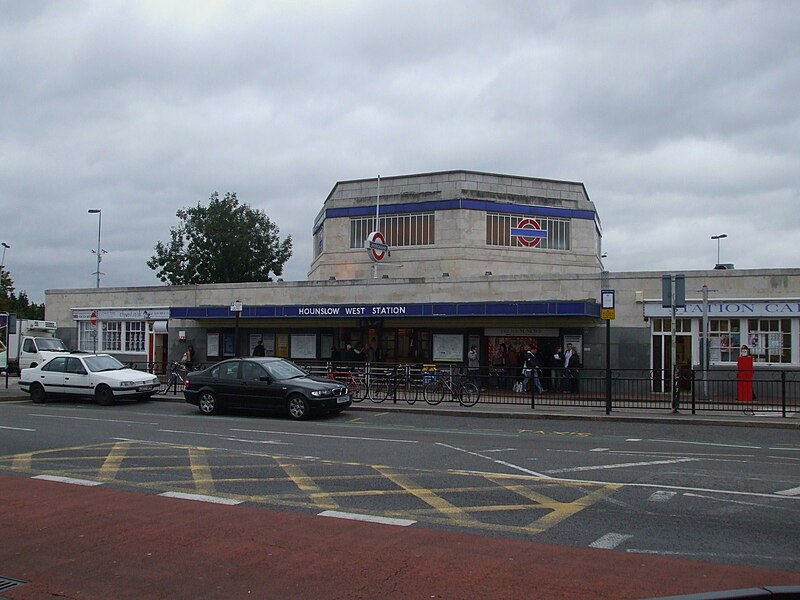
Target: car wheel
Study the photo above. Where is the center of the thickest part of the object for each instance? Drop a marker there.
(38, 394)
(298, 408)
(104, 395)
(208, 403)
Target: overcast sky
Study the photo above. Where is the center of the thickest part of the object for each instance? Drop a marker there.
(682, 119)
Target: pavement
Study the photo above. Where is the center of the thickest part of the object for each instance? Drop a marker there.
(770, 419)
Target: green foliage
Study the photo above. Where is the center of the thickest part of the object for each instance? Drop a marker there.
(19, 304)
(224, 242)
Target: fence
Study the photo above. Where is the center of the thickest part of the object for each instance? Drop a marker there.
(773, 390)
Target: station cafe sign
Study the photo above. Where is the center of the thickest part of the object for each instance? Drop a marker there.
(729, 309)
(122, 314)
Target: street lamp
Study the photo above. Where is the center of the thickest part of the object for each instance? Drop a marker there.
(3, 261)
(718, 238)
(99, 252)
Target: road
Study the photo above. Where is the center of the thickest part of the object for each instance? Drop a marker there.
(722, 495)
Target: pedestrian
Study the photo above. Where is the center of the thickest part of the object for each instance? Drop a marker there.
(474, 366)
(499, 364)
(557, 370)
(188, 358)
(348, 355)
(531, 371)
(259, 350)
(572, 364)
(336, 355)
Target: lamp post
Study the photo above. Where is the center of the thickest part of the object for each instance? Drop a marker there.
(3, 264)
(99, 252)
(718, 238)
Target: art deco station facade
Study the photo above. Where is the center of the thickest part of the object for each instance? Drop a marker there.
(473, 258)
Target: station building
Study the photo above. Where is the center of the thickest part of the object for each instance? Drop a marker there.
(457, 259)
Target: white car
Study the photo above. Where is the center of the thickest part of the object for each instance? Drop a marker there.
(98, 375)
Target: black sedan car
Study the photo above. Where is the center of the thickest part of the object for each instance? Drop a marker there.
(261, 383)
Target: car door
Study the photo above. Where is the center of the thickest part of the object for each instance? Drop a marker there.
(226, 385)
(76, 378)
(51, 375)
(275, 390)
(256, 390)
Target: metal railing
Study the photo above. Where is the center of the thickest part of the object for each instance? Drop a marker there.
(769, 390)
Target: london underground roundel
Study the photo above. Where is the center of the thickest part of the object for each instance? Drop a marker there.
(376, 246)
(529, 232)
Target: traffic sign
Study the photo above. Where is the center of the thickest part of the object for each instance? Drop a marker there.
(529, 232)
(93, 318)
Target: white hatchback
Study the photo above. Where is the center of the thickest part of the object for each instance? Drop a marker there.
(98, 375)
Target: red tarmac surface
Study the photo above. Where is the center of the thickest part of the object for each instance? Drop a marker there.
(70, 541)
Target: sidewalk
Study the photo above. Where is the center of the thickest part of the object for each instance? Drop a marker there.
(524, 411)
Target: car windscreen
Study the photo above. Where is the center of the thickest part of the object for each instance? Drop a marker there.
(284, 369)
(96, 364)
(50, 344)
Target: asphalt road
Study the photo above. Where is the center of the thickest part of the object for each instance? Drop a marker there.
(724, 495)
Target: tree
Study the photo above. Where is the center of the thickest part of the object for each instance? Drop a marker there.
(21, 305)
(224, 242)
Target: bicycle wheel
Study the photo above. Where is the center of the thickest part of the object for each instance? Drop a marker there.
(470, 394)
(379, 390)
(354, 386)
(433, 392)
(411, 390)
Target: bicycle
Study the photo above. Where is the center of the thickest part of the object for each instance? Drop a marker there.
(177, 373)
(392, 384)
(467, 393)
(355, 380)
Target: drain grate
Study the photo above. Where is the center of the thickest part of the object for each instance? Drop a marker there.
(6, 583)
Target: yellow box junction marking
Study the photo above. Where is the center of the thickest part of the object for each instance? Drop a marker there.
(107, 463)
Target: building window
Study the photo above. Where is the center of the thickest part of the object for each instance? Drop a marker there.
(398, 230)
(770, 340)
(498, 231)
(318, 241)
(724, 339)
(115, 336)
(134, 336)
(86, 333)
(665, 326)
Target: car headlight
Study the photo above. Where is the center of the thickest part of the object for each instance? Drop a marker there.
(128, 384)
(320, 393)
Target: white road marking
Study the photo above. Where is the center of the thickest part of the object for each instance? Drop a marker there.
(366, 518)
(610, 541)
(258, 441)
(661, 496)
(72, 480)
(92, 419)
(17, 428)
(706, 444)
(201, 498)
(658, 486)
(690, 495)
(634, 440)
(599, 450)
(320, 435)
(500, 450)
(791, 492)
(494, 460)
(623, 465)
(792, 449)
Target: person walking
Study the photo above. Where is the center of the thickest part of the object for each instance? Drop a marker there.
(259, 350)
(531, 371)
